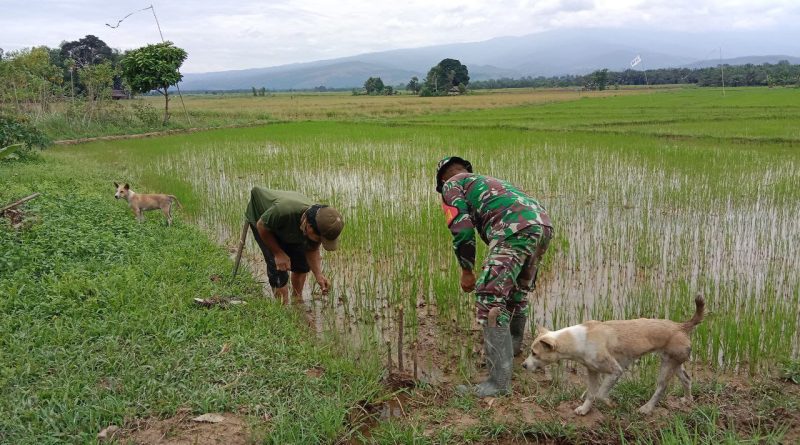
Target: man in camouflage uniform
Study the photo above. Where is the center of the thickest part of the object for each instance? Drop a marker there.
(517, 230)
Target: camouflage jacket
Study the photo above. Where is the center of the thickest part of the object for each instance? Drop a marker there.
(495, 208)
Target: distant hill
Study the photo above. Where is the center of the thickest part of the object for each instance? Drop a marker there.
(543, 54)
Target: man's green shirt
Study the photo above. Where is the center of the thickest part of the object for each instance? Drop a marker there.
(280, 211)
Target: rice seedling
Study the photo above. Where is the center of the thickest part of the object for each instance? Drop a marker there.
(655, 198)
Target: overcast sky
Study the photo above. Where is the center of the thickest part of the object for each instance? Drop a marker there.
(222, 35)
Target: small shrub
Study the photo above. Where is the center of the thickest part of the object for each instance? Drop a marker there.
(790, 370)
(426, 92)
(146, 113)
(18, 137)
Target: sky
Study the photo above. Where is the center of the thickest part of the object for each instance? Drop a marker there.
(226, 35)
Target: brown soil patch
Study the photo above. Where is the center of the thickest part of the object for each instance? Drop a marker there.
(745, 403)
(182, 430)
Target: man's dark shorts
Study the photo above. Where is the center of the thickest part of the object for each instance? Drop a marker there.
(297, 256)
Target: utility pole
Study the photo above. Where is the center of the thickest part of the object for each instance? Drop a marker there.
(722, 68)
(158, 25)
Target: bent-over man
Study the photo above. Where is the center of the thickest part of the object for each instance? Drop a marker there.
(289, 228)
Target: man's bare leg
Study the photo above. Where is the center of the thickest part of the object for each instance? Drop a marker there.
(298, 282)
(281, 293)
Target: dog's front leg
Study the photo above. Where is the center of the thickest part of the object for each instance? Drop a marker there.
(615, 372)
(605, 397)
(592, 386)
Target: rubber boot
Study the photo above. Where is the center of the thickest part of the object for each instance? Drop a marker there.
(497, 343)
(517, 328)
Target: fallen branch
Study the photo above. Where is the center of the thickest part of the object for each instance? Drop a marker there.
(21, 201)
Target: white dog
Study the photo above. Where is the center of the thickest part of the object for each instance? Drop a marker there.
(610, 347)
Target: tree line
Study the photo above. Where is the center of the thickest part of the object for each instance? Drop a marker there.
(449, 76)
(84, 72)
(780, 74)
(82, 76)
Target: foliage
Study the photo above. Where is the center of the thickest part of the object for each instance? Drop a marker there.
(27, 76)
(89, 50)
(41, 77)
(447, 74)
(426, 91)
(790, 370)
(154, 67)
(7, 152)
(17, 131)
(373, 86)
(781, 74)
(146, 113)
(413, 85)
(98, 81)
(598, 80)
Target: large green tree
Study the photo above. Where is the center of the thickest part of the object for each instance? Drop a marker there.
(598, 80)
(413, 85)
(445, 75)
(374, 85)
(89, 50)
(154, 67)
(75, 55)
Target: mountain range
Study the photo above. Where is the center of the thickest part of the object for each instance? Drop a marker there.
(551, 53)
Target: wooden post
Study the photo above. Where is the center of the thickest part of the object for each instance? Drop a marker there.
(400, 337)
(414, 359)
(389, 356)
(241, 248)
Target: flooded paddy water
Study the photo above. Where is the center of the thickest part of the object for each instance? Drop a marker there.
(639, 232)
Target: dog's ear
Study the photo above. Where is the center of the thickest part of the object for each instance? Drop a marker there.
(541, 330)
(116, 185)
(549, 344)
(127, 187)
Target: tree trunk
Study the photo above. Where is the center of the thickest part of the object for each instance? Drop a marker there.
(166, 107)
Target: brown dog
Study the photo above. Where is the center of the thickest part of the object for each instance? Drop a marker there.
(610, 347)
(140, 203)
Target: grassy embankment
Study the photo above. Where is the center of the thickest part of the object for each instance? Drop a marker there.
(98, 325)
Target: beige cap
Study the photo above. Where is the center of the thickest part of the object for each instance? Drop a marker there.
(330, 224)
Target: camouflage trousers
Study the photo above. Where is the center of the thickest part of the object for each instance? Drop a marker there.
(509, 273)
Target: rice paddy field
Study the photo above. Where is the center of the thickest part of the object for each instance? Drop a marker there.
(656, 196)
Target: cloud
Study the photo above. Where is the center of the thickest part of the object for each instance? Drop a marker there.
(252, 33)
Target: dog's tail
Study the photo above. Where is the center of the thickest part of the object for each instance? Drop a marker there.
(700, 304)
(173, 198)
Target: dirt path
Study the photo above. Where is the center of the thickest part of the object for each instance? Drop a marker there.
(150, 134)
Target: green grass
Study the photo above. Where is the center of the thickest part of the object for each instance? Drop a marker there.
(98, 325)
